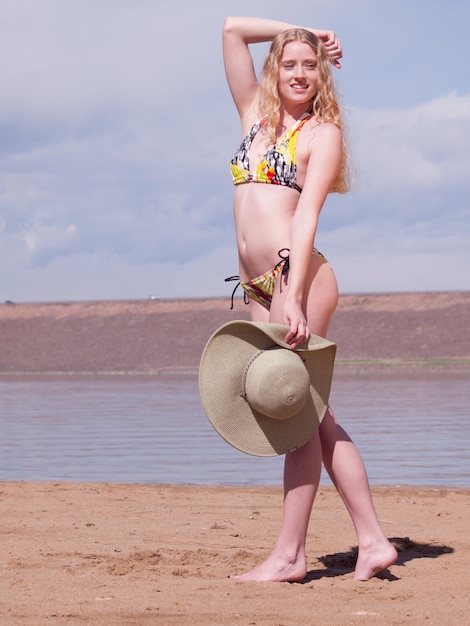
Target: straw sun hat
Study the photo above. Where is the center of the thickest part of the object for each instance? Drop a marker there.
(261, 396)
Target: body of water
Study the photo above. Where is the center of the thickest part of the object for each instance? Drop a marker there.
(410, 429)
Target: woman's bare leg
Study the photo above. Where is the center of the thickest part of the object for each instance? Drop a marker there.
(341, 457)
(287, 560)
(346, 469)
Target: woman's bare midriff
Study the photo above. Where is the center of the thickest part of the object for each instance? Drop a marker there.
(263, 215)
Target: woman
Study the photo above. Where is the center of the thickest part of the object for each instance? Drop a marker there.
(292, 156)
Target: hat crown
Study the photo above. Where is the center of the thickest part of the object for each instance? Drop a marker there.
(276, 383)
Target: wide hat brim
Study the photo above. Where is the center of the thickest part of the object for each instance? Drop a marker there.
(222, 368)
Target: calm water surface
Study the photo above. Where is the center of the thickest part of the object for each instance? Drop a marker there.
(410, 429)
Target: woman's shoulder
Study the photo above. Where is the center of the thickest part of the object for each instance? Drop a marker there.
(322, 128)
(317, 131)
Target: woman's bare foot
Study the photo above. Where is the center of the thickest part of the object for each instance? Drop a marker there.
(373, 559)
(277, 569)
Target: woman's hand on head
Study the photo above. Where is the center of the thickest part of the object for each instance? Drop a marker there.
(332, 45)
(298, 333)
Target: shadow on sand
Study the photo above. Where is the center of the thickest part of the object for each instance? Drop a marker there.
(344, 562)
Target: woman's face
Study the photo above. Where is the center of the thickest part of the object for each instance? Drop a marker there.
(298, 73)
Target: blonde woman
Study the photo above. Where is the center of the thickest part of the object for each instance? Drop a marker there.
(292, 156)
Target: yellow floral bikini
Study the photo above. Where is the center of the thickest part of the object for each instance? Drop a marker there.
(278, 167)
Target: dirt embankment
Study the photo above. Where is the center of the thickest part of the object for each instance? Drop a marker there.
(150, 335)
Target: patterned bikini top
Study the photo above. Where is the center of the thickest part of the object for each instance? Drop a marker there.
(278, 166)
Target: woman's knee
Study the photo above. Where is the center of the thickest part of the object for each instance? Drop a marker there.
(331, 431)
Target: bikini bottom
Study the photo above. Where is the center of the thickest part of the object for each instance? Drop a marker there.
(261, 288)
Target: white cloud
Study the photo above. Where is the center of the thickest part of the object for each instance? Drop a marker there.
(421, 147)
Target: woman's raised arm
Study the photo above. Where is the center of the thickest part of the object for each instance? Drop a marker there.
(238, 33)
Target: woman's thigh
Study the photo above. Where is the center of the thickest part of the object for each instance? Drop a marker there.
(258, 312)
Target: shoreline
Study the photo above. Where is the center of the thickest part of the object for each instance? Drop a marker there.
(274, 487)
(458, 366)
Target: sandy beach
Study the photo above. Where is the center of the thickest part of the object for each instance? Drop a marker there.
(109, 554)
(149, 554)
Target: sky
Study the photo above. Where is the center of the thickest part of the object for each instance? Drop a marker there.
(117, 128)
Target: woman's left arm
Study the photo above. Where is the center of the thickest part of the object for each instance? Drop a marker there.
(323, 165)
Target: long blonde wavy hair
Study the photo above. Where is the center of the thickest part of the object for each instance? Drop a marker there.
(324, 106)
